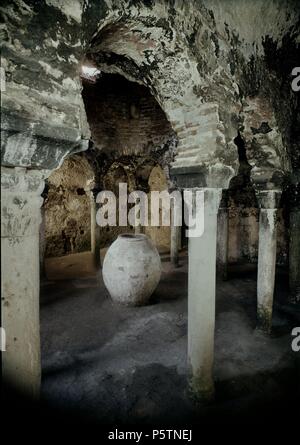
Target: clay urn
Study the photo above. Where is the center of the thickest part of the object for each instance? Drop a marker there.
(131, 269)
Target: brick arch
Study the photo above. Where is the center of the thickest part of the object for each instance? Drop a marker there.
(153, 56)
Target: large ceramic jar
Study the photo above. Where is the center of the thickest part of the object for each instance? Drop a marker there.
(131, 269)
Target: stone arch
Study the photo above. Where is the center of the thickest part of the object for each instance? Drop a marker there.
(153, 56)
(115, 174)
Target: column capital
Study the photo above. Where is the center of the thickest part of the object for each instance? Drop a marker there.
(23, 180)
(268, 199)
(211, 194)
(21, 198)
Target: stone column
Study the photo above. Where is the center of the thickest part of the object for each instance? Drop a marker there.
(174, 251)
(175, 238)
(138, 228)
(20, 220)
(294, 255)
(201, 299)
(293, 194)
(268, 202)
(42, 242)
(222, 238)
(95, 229)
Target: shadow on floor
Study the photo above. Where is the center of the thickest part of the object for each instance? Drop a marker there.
(116, 364)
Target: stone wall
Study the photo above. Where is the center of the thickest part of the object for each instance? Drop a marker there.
(142, 174)
(67, 208)
(243, 236)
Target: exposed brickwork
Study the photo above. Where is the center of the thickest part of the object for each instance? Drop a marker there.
(124, 117)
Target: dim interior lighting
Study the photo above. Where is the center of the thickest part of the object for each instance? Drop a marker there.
(90, 72)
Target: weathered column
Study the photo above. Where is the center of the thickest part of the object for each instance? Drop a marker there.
(222, 237)
(174, 251)
(209, 160)
(20, 220)
(175, 238)
(42, 242)
(294, 255)
(268, 202)
(95, 229)
(138, 228)
(294, 237)
(201, 299)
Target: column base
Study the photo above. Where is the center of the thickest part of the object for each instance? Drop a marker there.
(200, 392)
(264, 319)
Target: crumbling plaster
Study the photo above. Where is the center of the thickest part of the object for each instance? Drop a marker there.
(67, 208)
(196, 58)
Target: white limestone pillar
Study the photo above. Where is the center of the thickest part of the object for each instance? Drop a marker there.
(201, 299)
(20, 219)
(268, 202)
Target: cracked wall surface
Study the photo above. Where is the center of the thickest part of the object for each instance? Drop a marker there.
(196, 54)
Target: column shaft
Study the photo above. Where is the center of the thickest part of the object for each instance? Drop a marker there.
(268, 201)
(42, 242)
(222, 242)
(294, 256)
(20, 220)
(201, 299)
(174, 250)
(95, 230)
(93, 223)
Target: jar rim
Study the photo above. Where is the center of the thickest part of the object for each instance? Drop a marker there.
(133, 236)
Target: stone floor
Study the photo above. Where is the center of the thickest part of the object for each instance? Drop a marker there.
(120, 365)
